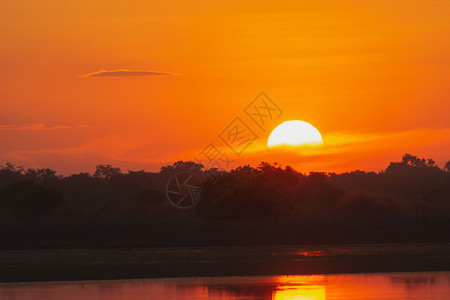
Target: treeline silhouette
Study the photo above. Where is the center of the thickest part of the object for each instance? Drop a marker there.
(413, 187)
(409, 201)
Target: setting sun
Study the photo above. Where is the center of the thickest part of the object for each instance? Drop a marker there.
(295, 133)
(215, 150)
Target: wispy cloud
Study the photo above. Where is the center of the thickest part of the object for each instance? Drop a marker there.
(127, 73)
(346, 151)
(37, 127)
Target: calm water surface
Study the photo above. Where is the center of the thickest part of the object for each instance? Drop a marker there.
(430, 285)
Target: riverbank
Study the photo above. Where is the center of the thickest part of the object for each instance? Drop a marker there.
(119, 263)
(193, 232)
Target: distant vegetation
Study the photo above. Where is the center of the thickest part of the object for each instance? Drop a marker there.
(413, 187)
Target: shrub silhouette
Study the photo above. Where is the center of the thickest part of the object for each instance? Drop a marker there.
(27, 199)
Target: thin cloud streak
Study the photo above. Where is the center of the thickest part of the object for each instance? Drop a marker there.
(127, 73)
(37, 127)
(343, 150)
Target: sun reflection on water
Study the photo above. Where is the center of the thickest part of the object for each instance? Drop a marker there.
(310, 253)
(392, 286)
(300, 288)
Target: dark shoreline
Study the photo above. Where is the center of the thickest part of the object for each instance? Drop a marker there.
(195, 248)
(201, 233)
(139, 263)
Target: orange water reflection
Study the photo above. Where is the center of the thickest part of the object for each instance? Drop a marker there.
(310, 253)
(300, 288)
(393, 286)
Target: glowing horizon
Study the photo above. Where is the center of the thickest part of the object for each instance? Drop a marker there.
(140, 85)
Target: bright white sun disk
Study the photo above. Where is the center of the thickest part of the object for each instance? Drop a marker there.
(295, 133)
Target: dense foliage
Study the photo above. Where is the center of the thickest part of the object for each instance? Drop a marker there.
(412, 187)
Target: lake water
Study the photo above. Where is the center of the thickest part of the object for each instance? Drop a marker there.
(396, 286)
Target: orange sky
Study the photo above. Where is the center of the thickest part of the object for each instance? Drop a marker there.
(371, 76)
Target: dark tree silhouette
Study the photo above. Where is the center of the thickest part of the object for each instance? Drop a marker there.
(27, 199)
(106, 171)
(447, 167)
(412, 186)
(182, 165)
